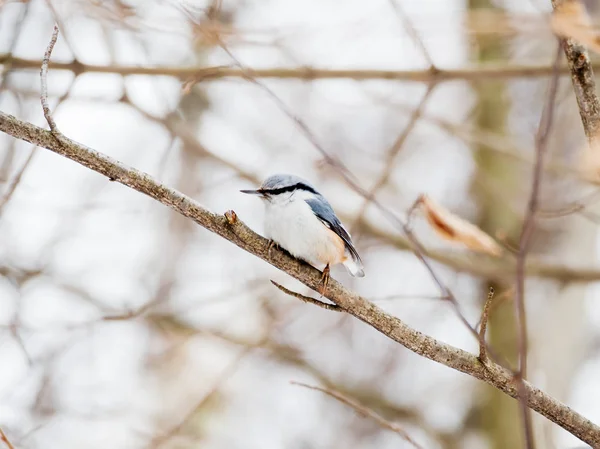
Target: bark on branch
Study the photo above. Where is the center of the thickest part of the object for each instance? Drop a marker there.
(231, 228)
(584, 84)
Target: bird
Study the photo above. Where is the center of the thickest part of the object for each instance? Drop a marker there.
(300, 220)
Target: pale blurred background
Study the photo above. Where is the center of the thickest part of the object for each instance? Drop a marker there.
(125, 325)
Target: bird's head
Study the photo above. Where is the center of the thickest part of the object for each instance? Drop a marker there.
(281, 186)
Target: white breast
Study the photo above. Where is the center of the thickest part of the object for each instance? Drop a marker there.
(291, 223)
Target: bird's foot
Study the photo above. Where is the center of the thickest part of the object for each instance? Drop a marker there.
(324, 281)
(272, 244)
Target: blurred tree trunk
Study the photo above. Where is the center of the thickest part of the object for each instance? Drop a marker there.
(555, 312)
(497, 415)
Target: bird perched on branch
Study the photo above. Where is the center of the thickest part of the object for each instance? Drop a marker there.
(300, 220)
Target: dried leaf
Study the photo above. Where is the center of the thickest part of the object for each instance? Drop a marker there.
(453, 228)
(571, 20)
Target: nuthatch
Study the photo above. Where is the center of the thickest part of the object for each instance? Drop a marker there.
(300, 220)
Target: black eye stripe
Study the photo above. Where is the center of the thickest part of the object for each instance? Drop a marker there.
(298, 186)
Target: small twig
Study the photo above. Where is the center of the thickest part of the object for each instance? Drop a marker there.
(498, 300)
(44, 82)
(61, 24)
(419, 252)
(308, 299)
(412, 210)
(392, 154)
(413, 33)
(482, 329)
(12, 187)
(364, 411)
(541, 141)
(5, 439)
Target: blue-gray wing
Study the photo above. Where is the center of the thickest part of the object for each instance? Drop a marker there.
(324, 212)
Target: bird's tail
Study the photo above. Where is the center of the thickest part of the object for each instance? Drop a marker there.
(354, 267)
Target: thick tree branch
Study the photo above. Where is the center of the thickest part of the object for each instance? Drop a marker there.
(584, 84)
(238, 233)
(498, 71)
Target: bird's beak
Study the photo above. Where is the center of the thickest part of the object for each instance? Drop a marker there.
(252, 192)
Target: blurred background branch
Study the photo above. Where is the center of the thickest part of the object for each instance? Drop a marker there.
(202, 74)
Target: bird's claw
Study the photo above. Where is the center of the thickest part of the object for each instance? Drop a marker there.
(324, 281)
(272, 244)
